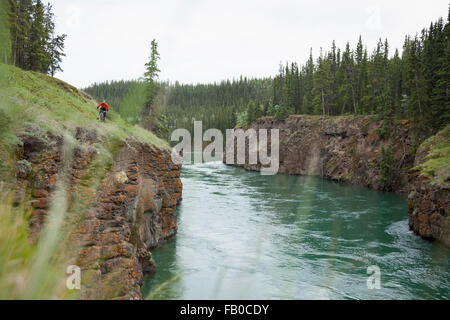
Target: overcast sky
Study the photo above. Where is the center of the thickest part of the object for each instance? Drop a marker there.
(209, 40)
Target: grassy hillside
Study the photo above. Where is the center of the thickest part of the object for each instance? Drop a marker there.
(36, 103)
(29, 98)
(436, 164)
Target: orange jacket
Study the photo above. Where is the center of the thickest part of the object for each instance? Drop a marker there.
(103, 105)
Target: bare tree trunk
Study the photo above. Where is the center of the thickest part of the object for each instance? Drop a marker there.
(351, 79)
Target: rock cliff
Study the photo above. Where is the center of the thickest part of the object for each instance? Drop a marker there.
(429, 187)
(132, 211)
(347, 149)
(97, 195)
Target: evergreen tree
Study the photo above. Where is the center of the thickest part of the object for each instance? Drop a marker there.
(395, 74)
(415, 82)
(251, 113)
(308, 72)
(278, 84)
(5, 38)
(322, 87)
(360, 65)
(349, 84)
(435, 41)
(38, 40)
(55, 44)
(334, 63)
(21, 32)
(151, 75)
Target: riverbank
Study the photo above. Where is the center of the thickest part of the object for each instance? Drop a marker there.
(358, 151)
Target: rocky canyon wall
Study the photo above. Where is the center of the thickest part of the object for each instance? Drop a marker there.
(429, 197)
(115, 224)
(346, 149)
(349, 149)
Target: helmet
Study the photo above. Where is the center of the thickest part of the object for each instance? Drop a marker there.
(104, 101)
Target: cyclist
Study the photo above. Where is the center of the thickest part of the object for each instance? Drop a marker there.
(103, 109)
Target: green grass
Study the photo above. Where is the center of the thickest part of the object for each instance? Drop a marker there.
(134, 102)
(31, 272)
(53, 105)
(29, 98)
(35, 270)
(437, 164)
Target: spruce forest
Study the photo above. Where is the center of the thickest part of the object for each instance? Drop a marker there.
(391, 84)
(411, 84)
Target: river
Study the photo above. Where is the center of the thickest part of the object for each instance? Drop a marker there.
(246, 236)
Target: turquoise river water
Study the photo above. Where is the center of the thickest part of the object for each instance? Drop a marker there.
(246, 236)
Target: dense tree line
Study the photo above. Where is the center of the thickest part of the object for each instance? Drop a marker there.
(34, 44)
(218, 105)
(226, 93)
(411, 85)
(112, 91)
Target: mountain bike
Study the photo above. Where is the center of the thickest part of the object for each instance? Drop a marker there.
(102, 115)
